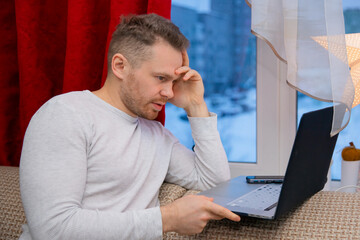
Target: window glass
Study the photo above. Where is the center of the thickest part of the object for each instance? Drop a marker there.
(352, 132)
(223, 50)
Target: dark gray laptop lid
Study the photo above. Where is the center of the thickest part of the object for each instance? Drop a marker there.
(309, 162)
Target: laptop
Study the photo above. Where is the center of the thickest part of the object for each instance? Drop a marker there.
(306, 174)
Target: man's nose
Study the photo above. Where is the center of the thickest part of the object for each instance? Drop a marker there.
(167, 90)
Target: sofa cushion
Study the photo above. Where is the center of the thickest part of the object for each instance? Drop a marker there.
(169, 193)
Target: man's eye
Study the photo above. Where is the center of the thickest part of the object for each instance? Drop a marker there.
(161, 78)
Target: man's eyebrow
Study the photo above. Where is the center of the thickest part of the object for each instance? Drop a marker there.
(166, 75)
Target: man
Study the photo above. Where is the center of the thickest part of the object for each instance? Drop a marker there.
(93, 162)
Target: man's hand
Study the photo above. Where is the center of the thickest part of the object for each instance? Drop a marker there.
(189, 90)
(190, 214)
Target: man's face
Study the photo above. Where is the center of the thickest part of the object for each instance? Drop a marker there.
(147, 88)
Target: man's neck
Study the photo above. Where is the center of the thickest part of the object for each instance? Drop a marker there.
(109, 93)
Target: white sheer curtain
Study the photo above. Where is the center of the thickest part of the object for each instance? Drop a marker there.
(310, 37)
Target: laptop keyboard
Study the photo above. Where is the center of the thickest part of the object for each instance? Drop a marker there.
(262, 198)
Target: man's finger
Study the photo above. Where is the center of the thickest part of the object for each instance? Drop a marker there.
(223, 212)
(189, 74)
(206, 198)
(182, 69)
(185, 57)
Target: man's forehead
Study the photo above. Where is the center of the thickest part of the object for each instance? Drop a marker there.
(165, 59)
(164, 50)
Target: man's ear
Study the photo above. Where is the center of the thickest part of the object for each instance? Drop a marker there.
(119, 65)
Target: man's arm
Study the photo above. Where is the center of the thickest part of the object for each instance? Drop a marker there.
(208, 166)
(201, 169)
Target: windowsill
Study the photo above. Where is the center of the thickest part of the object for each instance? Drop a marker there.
(336, 185)
(333, 186)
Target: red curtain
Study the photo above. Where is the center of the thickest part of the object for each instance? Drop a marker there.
(49, 47)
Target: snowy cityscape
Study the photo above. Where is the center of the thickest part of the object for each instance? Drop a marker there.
(230, 78)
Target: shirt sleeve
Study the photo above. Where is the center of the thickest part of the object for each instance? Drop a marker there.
(53, 171)
(207, 166)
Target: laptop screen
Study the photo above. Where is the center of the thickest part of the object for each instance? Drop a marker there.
(309, 161)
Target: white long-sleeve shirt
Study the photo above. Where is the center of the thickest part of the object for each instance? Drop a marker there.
(90, 171)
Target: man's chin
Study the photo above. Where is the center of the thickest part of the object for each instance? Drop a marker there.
(150, 116)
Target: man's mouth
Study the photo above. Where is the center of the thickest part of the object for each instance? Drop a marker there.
(158, 106)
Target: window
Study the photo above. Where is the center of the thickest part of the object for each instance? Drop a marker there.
(223, 51)
(245, 85)
(352, 132)
(241, 77)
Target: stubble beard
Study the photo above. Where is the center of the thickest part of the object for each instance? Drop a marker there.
(134, 102)
(135, 106)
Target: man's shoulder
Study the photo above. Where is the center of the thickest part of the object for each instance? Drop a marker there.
(70, 100)
(61, 111)
(70, 97)
(66, 103)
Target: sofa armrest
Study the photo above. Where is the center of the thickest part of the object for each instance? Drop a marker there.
(12, 215)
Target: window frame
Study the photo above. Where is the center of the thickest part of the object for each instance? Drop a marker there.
(275, 116)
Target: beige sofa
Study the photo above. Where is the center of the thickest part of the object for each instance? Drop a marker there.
(327, 215)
